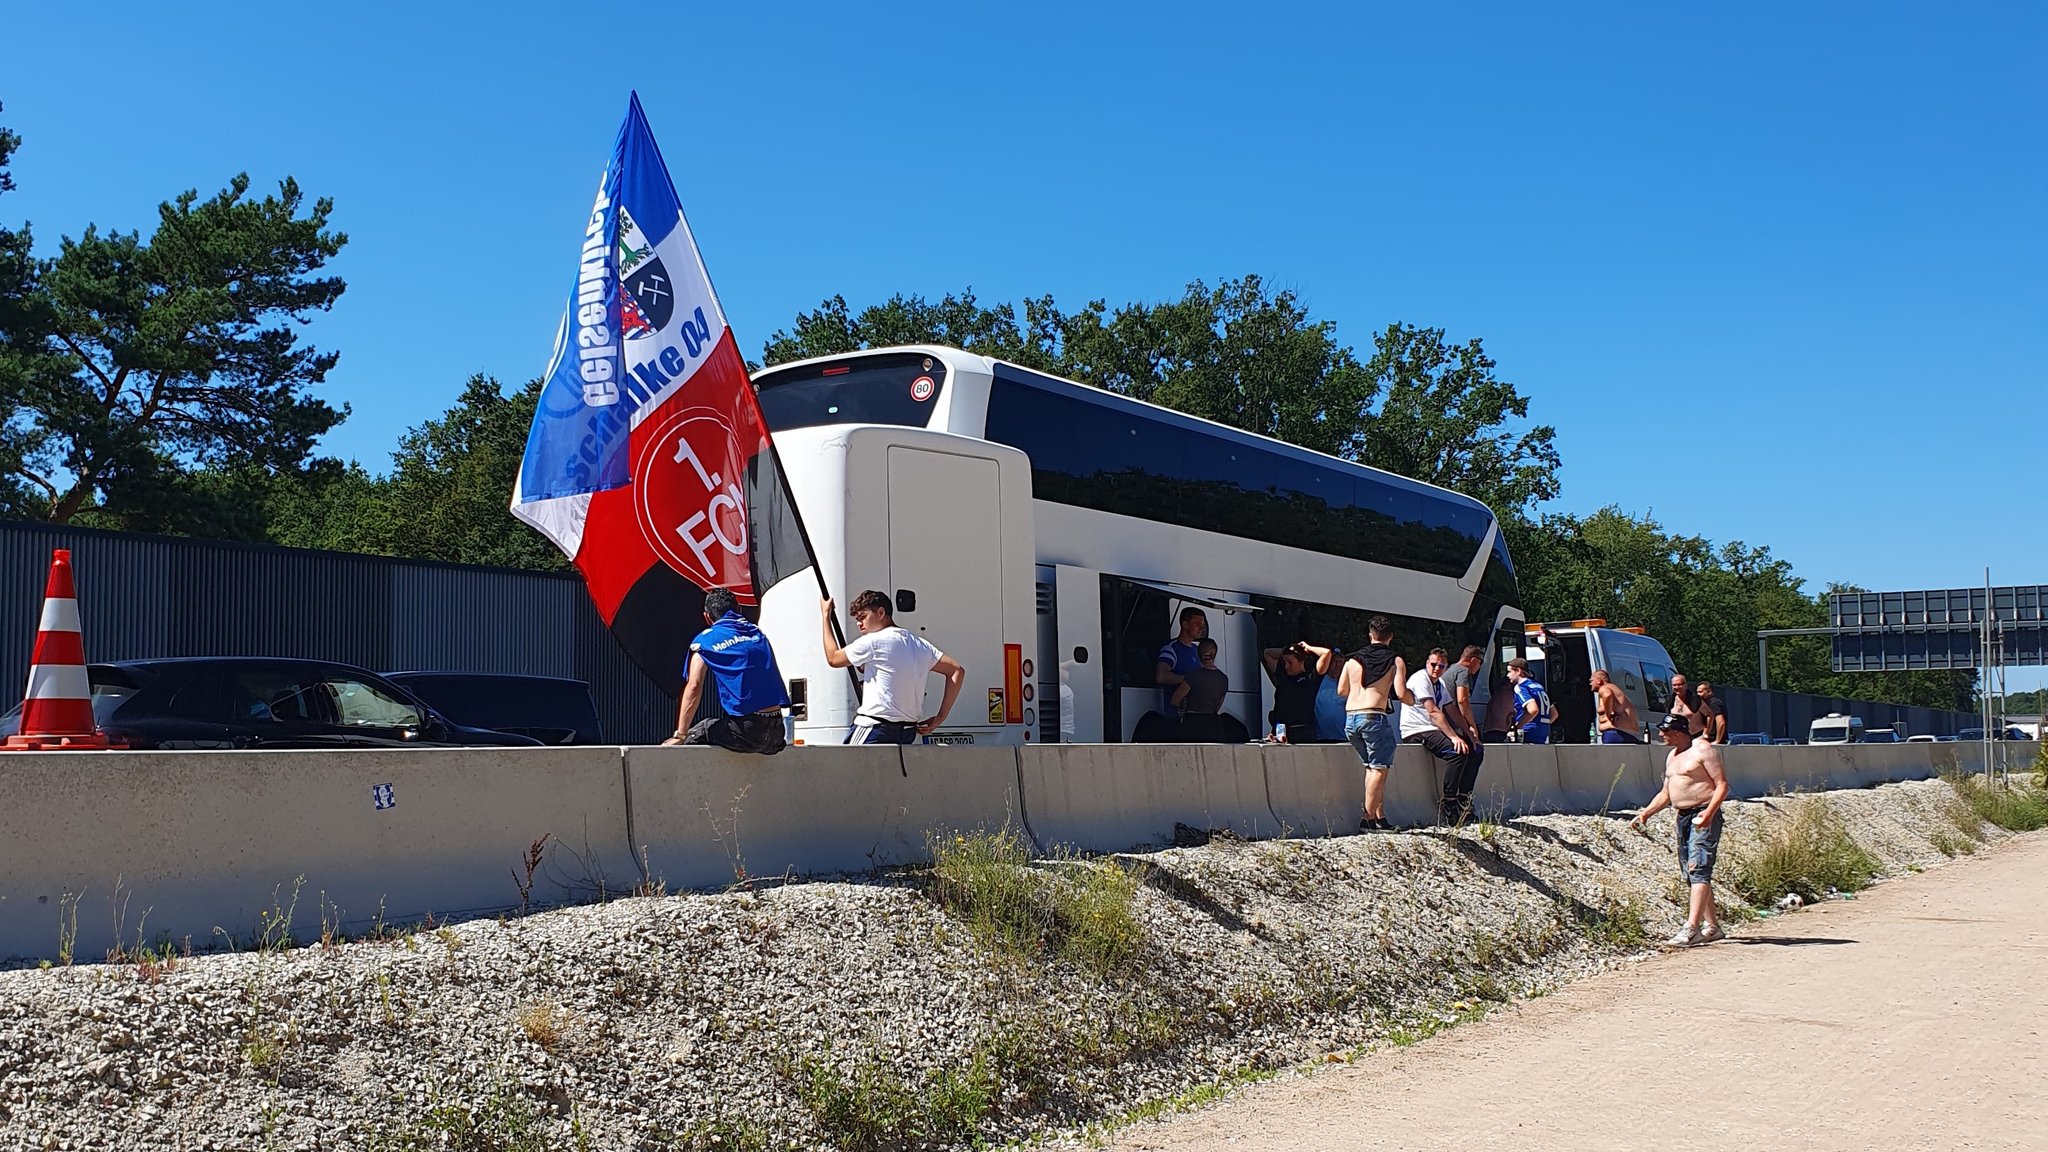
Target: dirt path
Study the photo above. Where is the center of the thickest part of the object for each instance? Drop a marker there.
(1913, 1017)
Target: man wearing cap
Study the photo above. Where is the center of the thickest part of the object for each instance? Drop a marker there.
(1694, 785)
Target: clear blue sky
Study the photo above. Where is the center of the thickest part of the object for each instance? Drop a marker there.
(1776, 272)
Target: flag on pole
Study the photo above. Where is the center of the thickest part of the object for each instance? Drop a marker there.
(649, 463)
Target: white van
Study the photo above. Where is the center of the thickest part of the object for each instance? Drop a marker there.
(1636, 663)
(1835, 728)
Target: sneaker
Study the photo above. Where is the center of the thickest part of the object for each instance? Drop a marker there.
(1369, 824)
(1686, 938)
(1711, 933)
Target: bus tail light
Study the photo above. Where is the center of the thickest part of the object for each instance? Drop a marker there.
(1013, 683)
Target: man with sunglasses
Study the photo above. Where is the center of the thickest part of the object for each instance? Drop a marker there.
(1428, 722)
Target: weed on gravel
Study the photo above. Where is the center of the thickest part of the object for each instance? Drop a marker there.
(2014, 809)
(1809, 854)
(1080, 910)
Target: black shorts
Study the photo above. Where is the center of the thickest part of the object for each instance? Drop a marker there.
(760, 732)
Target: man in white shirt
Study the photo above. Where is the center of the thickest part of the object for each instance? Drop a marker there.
(893, 663)
(1428, 722)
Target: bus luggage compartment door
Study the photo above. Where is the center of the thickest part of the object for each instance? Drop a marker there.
(946, 563)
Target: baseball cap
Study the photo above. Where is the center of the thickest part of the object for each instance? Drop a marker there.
(1673, 722)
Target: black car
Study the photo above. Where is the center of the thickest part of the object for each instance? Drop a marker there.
(264, 702)
(550, 709)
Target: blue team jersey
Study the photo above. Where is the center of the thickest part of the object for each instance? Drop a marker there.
(1538, 731)
(741, 665)
(1185, 658)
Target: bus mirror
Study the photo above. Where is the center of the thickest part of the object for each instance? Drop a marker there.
(906, 600)
(1080, 655)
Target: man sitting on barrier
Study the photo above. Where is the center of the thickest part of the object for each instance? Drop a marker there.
(1426, 720)
(1695, 785)
(749, 684)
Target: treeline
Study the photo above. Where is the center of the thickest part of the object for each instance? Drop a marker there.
(160, 385)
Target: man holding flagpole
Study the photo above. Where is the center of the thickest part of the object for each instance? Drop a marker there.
(649, 463)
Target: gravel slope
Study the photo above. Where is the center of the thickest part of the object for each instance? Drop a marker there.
(750, 1019)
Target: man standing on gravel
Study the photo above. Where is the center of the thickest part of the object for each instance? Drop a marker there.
(1694, 785)
(1371, 681)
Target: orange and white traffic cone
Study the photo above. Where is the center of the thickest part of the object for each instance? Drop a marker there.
(57, 711)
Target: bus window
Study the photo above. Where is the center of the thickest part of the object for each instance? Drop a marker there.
(902, 388)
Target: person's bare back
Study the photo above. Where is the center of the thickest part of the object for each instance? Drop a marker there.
(1689, 775)
(1374, 697)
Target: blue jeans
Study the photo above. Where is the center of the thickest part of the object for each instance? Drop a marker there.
(1617, 736)
(1697, 847)
(1372, 736)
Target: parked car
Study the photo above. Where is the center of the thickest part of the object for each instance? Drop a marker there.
(549, 709)
(1748, 738)
(263, 702)
(1785, 740)
(1835, 728)
(1922, 738)
(1881, 736)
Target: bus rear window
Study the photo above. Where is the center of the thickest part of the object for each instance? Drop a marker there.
(901, 388)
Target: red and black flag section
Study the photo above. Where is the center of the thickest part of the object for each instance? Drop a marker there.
(649, 463)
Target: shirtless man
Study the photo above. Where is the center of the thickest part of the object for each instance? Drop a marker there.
(1617, 716)
(1372, 679)
(1683, 703)
(1694, 785)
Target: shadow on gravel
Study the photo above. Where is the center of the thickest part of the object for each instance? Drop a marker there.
(1492, 862)
(1180, 888)
(1790, 941)
(1552, 838)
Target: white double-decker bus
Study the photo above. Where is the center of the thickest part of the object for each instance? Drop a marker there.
(1047, 533)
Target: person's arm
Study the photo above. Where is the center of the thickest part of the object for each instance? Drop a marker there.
(1529, 715)
(1179, 694)
(956, 675)
(1345, 682)
(1323, 657)
(1710, 759)
(693, 693)
(1271, 659)
(1657, 804)
(1720, 722)
(1444, 725)
(1400, 686)
(1166, 677)
(834, 654)
(1603, 706)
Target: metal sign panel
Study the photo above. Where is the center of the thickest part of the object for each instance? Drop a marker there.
(1939, 628)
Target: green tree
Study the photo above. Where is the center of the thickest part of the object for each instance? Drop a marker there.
(22, 354)
(138, 362)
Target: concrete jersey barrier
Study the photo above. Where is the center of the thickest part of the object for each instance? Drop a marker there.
(706, 818)
(1116, 797)
(210, 845)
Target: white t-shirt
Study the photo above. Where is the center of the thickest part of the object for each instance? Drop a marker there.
(893, 665)
(1415, 717)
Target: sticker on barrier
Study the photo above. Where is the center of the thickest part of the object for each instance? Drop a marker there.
(383, 796)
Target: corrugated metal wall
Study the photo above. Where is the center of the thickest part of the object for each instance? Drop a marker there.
(1793, 713)
(144, 596)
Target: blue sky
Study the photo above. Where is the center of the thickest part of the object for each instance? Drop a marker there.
(1776, 272)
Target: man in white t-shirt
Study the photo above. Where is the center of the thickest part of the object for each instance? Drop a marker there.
(1428, 722)
(893, 663)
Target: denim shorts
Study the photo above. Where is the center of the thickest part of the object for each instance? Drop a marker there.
(1372, 736)
(1697, 847)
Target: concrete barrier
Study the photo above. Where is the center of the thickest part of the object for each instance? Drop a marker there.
(1314, 789)
(707, 818)
(1116, 797)
(1414, 788)
(210, 846)
(1596, 778)
(1757, 770)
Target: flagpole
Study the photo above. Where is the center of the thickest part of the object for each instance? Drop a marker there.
(782, 477)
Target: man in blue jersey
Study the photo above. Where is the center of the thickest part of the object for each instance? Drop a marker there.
(1181, 655)
(1533, 709)
(736, 657)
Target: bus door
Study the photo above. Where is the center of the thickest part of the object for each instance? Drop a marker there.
(946, 575)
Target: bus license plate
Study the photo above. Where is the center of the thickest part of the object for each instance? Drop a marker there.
(950, 738)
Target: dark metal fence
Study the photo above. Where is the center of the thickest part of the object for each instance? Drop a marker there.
(1792, 714)
(153, 596)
